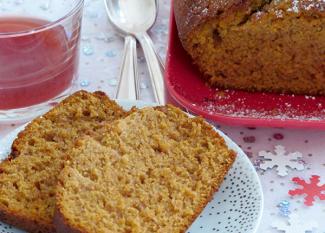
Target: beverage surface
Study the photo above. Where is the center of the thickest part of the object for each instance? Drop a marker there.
(35, 65)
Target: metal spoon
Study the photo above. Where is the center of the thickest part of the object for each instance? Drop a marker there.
(128, 86)
(135, 17)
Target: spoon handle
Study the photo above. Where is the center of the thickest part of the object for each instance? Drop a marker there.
(156, 68)
(128, 87)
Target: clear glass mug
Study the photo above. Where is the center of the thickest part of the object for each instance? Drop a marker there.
(39, 54)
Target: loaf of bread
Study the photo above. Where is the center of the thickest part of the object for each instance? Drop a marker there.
(29, 176)
(256, 45)
(153, 171)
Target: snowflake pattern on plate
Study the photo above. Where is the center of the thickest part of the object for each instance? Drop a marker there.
(311, 190)
(281, 160)
(295, 225)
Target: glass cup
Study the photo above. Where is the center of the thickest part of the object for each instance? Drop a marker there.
(39, 55)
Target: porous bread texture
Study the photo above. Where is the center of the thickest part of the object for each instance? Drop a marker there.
(153, 171)
(256, 45)
(29, 176)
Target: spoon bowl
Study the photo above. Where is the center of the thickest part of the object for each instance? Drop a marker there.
(132, 16)
(135, 17)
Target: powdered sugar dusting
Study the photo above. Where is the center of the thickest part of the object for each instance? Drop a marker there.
(258, 14)
(312, 4)
(295, 6)
(280, 7)
(279, 13)
(306, 5)
(200, 8)
(205, 11)
(232, 111)
(242, 107)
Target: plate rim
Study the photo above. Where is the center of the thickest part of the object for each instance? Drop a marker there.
(230, 143)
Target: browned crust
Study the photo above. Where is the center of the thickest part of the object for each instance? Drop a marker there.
(60, 223)
(79, 94)
(26, 222)
(23, 222)
(189, 14)
(218, 183)
(215, 188)
(63, 226)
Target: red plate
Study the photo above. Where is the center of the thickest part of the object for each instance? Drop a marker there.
(186, 87)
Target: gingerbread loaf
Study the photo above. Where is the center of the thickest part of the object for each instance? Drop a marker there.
(256, 45)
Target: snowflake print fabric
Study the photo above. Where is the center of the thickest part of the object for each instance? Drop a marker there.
(295, 225)
(281, 160)
(311, 190)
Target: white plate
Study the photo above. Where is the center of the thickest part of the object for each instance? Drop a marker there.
(235, 208)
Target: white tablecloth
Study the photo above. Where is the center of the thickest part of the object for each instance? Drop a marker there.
(101, 51)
